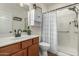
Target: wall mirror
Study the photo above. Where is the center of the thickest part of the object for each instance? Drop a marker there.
(12, 16)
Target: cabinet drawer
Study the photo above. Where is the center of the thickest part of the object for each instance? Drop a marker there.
(26, 43)
(36, 40)
(10, 49)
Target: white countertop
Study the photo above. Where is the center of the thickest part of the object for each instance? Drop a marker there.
(11, 40)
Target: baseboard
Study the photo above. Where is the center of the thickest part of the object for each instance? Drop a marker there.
(54, 52)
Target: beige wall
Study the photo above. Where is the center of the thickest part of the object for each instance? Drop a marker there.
(43, 6)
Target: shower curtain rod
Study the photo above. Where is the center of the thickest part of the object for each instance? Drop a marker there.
(60, 8)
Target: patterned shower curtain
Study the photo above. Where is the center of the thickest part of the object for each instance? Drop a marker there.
(49, 33)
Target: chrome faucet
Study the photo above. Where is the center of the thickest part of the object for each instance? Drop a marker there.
(18, 33)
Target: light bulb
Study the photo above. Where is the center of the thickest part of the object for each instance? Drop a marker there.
(21, 4)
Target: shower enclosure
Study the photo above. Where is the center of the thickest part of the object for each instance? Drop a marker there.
(67, 26)
(61, 30)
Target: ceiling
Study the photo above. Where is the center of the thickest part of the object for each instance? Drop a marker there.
(49, 4)
(45, 6)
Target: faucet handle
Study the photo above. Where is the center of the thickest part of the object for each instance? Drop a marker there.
(14, 30)
(10, 31)
(19, 30)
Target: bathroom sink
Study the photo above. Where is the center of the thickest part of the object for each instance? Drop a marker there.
(18, 38)
(11, 39)
(6, 39)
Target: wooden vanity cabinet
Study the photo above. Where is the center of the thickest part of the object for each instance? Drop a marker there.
(35, 40)
(34, 49)
(28, 47)
(26, 43)
(21, 53)
(8, 50)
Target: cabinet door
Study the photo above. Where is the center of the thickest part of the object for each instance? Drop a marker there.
(33, 50)
(25, 52)
(20, 53)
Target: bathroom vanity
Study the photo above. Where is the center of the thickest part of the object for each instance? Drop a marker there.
(24, 46)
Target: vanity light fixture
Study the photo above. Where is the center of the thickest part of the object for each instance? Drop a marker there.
(21, 4)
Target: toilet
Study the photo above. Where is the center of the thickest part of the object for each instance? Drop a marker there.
(43, 48)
